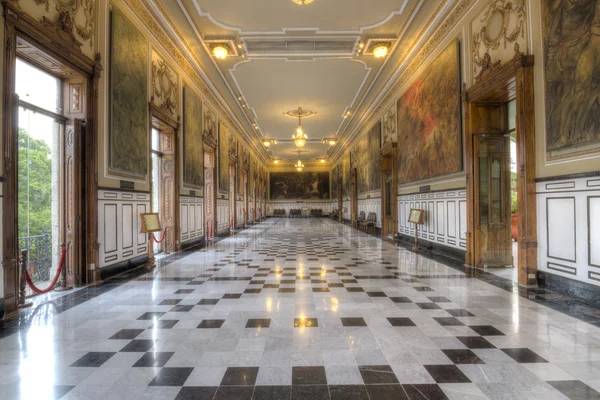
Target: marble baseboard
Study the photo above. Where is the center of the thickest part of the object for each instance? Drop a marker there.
(434, 248)
(192, 243)
(582, 291)
(2, 306)
(123, 266)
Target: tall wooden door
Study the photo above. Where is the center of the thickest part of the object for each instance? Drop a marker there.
(493, 217)
(72, 204)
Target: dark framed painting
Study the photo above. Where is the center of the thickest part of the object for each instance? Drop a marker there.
(429, 121)
(223, 158)
(294, 185)
(128, 77)
(346, 175)
(193, 142)
(369, 159)
(571, 78)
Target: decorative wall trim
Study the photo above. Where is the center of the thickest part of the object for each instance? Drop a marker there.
(326, 206)
(191, 214)
(445, 217)
(569, 214)
(119, 225)
(569, 176)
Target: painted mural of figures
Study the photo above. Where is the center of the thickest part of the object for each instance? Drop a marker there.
(572, 72)
(299, 185)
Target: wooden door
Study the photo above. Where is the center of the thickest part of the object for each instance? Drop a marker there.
(72, 226)
(493, 218)
(353, 198)
(168, 201)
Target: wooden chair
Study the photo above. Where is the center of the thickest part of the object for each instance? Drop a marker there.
(361, 219)
(371, 222)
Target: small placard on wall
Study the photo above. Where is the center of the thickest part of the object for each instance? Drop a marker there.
(127, 185)
(192, 192)
(416, 216)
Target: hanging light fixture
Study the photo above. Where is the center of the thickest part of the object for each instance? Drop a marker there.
(220, 51)
(299, 166)
(302, 2)
(300, 137)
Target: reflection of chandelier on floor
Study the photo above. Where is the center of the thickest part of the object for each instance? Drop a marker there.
(299, 166)
(300, 137)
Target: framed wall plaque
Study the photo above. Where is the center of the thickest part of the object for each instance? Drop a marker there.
(416, 216)
(150, 223)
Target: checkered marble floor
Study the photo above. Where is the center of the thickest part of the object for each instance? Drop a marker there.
(301, 309)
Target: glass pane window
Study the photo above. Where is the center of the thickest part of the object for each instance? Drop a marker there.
(155, 139)
(37, 87)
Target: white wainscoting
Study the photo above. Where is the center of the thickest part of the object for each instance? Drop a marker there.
(1, 250)
(119, 225)
(222, 215)
(326, 207)
(445, 217)
(240, 212)
(371, 205)
(191, 214)
(348, 214)
(569, 228)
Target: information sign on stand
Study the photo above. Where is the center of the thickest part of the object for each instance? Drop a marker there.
(416, 217)
(150, 223)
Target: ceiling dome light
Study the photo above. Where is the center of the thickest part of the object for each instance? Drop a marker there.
(380, 51)
(220, 52)
(330, 140)
(302, 2)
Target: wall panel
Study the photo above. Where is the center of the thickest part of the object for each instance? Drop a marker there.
(327, 207)
(191, 215)
(222, 215)
(119, 225)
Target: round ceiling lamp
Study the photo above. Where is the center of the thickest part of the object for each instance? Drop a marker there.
(322, 160)
(330, 140)
(268, 142)
(381, 50)
(220, 52)
(302, 2)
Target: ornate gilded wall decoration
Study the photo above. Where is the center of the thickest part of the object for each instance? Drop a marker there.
(68, 15)
(241, 165)
(571, 37)
(501, 24)
(164, 85)
(429, 117)
(368, 156)
(193, 142)
(210, 126)
(389, 127)
(223, 159)
(128, 133)
(346, 176)
(299, 185)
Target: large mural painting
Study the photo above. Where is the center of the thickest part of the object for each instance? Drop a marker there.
(369, 159)
(193, 144)
(346, 176)
(128, 136)
(335, 181)
(429, 128)
(299, 185)
(571, 72)
(223, 158)
(241, 168)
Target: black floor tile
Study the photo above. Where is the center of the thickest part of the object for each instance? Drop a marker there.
(258, 323)
(386, 392)
(376, 294)
(137, 346)
(462, 356)
(428, 306)
(234, 393)
(353, 322)
(459, 313)
(239, 376)
(93, 359)
(575, 390)
(127, 334)
(252, 291)
(376, 374)
(182, 308)
(196, 393)
(347, 392)
(320, 289)
(171, 377)
(476, 342)
(310, 392)
(306, 323)
(401, 299)
(424, 392)
(164, 324)
(169, 302)
(439, 299)
(154, 359)
(401, 321)
(208, 302)
(309, 376)
(185, 291)
(446, 374)
(231, 296)
(151, 315)
(486, 330)
(354, 289)
(448, 321)
(423, 289)
(272, 393)
(524, 355)
(211, 323)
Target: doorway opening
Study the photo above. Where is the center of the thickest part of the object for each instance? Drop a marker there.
(157, 201)
(232, 197)
(210, 198)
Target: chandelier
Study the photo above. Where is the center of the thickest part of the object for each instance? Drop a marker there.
(299, 166)
(300, 137)
(302, 2)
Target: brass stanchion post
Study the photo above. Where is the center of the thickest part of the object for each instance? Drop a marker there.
(22, 282)
(63, 274)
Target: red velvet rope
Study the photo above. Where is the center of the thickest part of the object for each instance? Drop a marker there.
(51, 286)
(161, 238)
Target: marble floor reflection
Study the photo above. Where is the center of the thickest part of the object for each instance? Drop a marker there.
(303, 309)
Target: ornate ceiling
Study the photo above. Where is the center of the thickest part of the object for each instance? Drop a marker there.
(283, 55)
